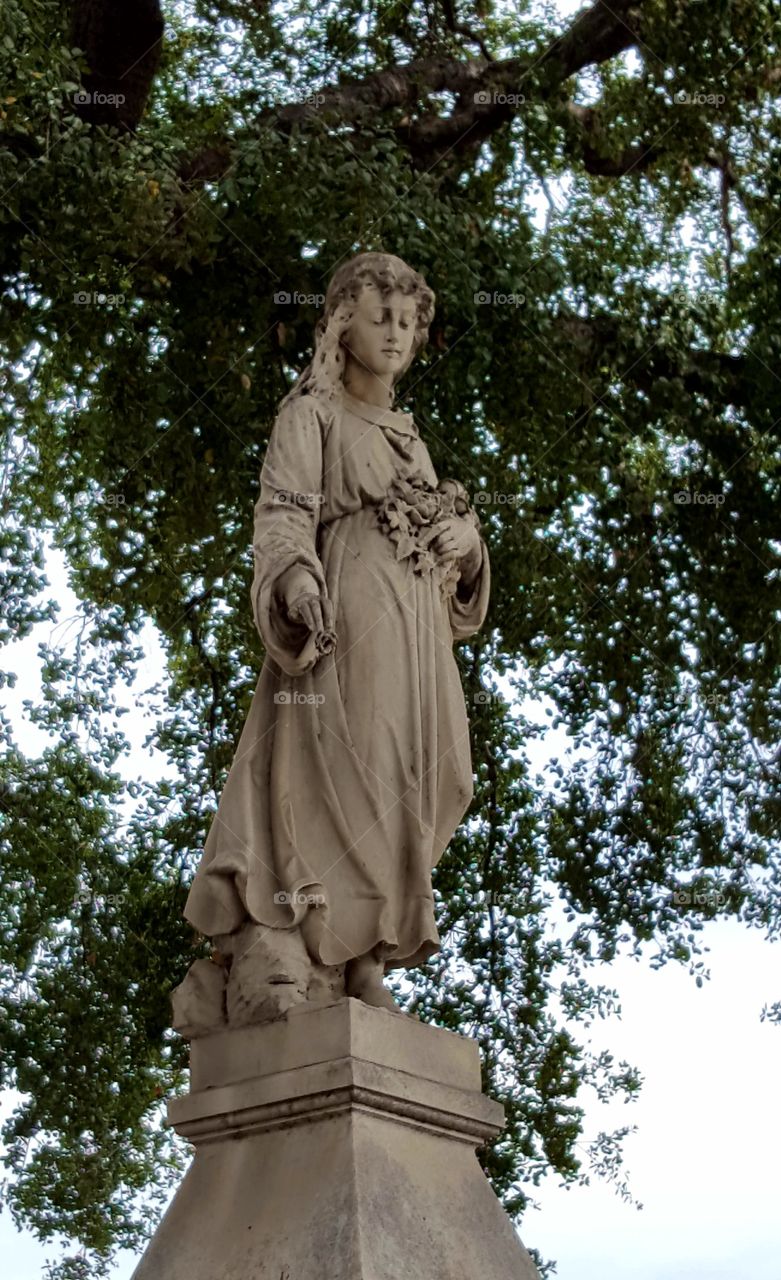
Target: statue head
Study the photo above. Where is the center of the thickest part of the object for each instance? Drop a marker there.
(360, 290)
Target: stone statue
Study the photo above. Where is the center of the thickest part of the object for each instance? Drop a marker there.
(353, 770)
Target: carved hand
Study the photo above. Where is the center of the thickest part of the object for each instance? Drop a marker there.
(300, 593)
(459, 540)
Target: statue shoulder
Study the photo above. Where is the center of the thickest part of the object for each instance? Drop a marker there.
(307, 410)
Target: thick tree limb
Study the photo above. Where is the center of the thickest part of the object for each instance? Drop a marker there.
(487, 93)
(122, 40)
(596, 35)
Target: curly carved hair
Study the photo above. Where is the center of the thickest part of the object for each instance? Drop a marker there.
(325, 374)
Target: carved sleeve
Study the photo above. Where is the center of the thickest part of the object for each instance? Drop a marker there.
(287, 515)
(468, 605)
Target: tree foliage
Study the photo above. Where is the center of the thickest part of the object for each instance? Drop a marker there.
(595, 200)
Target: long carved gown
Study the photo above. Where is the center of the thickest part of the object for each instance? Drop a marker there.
(353, 770)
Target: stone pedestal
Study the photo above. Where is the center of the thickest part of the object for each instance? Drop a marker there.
(335, 1144)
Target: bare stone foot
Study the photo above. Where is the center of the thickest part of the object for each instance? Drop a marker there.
(363, 981)
(377, 994)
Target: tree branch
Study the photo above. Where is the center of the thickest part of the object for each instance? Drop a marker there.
(712, 374)
(638, 158)
(635, 159)
(596, 35)
(122, 41)
(488, 93)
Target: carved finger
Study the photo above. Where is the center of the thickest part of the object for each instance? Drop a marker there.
(318, 622)
(307, 614)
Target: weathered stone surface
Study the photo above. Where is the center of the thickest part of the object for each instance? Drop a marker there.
(198, 1003)
(270, 972)
(337, 1144)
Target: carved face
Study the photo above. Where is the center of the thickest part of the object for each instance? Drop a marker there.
(382, 331)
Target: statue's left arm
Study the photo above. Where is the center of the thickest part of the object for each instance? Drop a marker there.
(468, 605)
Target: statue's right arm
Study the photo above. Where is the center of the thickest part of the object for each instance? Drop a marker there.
(287, 515)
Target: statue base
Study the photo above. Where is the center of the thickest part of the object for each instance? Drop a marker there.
(336, 1144)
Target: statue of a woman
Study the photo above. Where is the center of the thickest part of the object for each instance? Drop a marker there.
(353, 770)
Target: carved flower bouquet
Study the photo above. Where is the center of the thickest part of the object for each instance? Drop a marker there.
(411, 515)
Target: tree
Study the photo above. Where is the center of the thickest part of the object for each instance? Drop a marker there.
(605, 376)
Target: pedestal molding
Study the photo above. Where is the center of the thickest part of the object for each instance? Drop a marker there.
(333, 1102)
(318, 1090)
